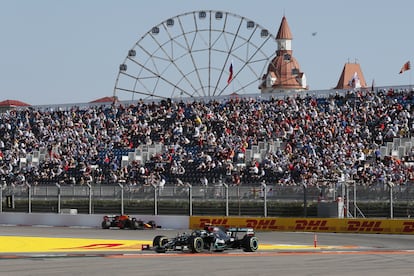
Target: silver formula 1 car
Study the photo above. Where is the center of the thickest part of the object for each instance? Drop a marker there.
(211, 238)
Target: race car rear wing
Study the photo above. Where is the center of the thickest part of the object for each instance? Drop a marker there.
(241, 230)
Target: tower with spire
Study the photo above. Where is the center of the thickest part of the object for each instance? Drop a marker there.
(351, 77)
(283, 73)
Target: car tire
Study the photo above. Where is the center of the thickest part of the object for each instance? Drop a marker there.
(159, 241)
(121, 224)
(250, 244)
(195, 244)
(106, 224)
(134, 225)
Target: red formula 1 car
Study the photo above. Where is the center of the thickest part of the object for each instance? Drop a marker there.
(126, 222)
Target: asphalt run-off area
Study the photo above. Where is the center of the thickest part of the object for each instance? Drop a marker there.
(37, 241)
(95, 251)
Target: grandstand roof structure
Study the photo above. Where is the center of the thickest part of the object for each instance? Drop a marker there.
(13, 103)
(110, 99)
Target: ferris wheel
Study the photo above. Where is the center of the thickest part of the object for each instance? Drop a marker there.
(197, 54)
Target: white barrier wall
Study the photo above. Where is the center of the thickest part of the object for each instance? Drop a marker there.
(84, 220)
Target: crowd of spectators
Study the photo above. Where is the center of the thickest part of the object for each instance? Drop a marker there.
(338, 137)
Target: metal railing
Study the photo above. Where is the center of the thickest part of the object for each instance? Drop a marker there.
(226, 194)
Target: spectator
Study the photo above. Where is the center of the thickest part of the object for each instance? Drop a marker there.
(319, 138)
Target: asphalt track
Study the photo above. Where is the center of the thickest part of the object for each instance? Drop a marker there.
(40, 250)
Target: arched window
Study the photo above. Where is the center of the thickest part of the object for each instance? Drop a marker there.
(286, 57)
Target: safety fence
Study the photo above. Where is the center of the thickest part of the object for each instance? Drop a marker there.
(261, 195)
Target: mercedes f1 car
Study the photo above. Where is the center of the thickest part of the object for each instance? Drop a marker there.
(211, 238)
(126, 222)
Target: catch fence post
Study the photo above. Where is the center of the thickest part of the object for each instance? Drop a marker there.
(90, 198)
(58, 197)
(122, 197)
(264, 187)
(227, 198)
(29, 195)
(190, 198)
(155, 200)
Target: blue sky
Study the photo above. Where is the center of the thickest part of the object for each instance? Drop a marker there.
(55, 52)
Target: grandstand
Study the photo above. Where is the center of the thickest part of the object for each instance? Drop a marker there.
(289, 138)
(360, 135)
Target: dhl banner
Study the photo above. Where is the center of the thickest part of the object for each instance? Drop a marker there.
(363, 225)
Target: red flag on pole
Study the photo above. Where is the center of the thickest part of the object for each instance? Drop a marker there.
(230, 73)
(406, 66)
